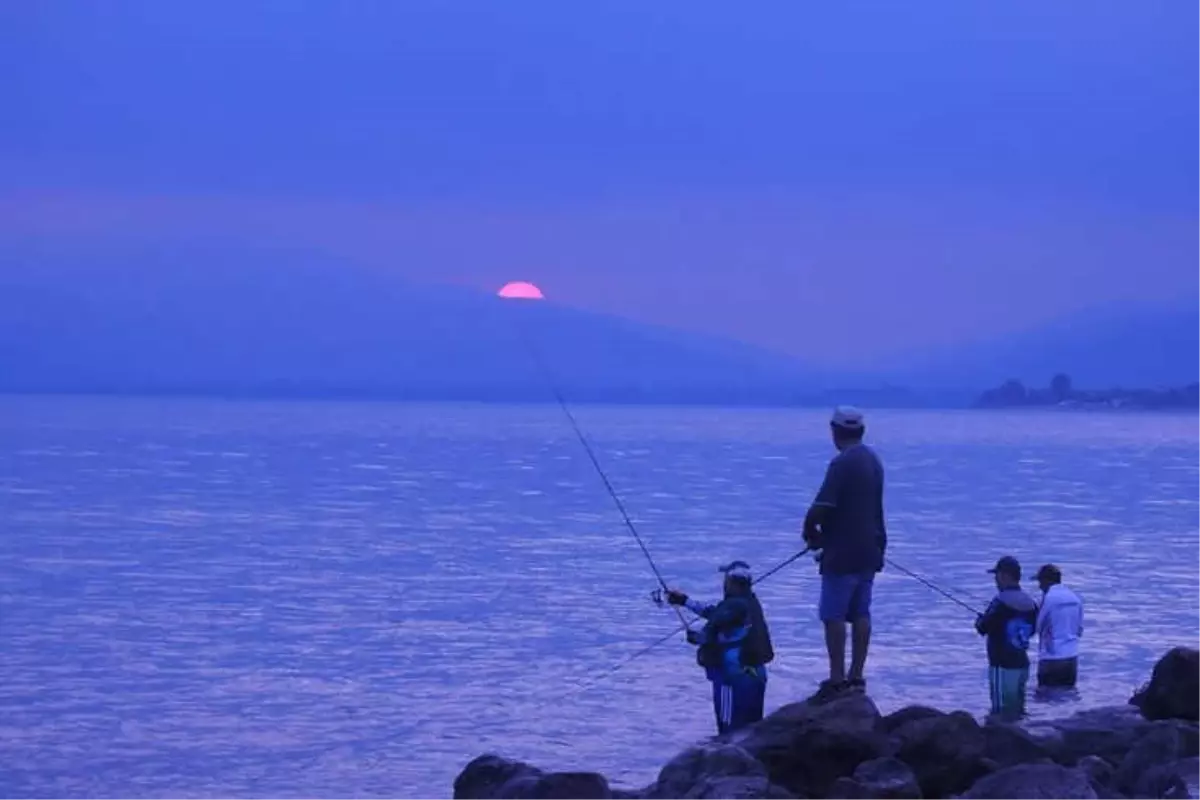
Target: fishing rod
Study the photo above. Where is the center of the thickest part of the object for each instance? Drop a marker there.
(931, 585)
(548, 375)
(672, 633)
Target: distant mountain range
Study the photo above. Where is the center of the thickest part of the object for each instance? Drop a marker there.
(234, 321)
(1126, 347)
(252, 323)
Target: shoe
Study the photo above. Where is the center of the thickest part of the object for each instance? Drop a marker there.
(826, 691)
(857, 685)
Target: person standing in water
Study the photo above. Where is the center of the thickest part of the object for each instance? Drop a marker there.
(734, 647)
(1059, 626)
(1008, 625)
(846, 523)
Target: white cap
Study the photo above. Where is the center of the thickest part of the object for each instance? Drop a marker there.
(847, 417)
(737, 569)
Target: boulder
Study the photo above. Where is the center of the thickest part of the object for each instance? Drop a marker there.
(887, 778)
(806, 747)
(1177, 779)
(1108, 732)
(1033, 781)
(571, 786)
(490, 776)
(737, 788)
(946, 753)
(1174, 688)
(1166, 742)
(1008, 745)
(892, 721)
(714, 769)
(1101, 773)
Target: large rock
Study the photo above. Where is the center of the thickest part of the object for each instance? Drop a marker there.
(1102, 774)
(806, 747)
(1051, 781)
(1178, 779)
(1166, 742)
(700, 767)
(1108, 732)
(736, 788)
(571, 786)
(1174, 688)
(491, 776)
(947, 753)
(896, 719)
(1008, 745)
(878, 778)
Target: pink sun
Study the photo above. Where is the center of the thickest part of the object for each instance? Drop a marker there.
(521, 290)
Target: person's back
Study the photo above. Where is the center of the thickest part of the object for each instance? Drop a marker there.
(846, 523)
(1059, 627)
(853, 530)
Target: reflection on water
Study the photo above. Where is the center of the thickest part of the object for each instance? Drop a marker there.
(203, 598)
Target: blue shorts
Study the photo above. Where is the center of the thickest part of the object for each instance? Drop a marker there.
(845, 598)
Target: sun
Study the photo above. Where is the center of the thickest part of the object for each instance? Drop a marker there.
(521, 290)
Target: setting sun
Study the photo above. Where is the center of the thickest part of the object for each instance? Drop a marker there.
(521, 290)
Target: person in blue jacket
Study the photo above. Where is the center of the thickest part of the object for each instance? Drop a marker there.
(1008, 623)
(734, 647)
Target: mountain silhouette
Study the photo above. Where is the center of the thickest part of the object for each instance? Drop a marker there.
(265, 322)
(1135, 347)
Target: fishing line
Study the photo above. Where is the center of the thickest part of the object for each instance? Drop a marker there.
(671, 634)
(548, 376)
(931, 585)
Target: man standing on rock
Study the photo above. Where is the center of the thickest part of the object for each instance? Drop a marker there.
(846, 524)
(1059, 626)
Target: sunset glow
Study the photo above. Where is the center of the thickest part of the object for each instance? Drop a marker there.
(521, 290)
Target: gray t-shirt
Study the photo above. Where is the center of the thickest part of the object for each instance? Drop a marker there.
(854, 534)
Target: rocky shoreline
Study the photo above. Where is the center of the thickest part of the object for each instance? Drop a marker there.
(846, 748)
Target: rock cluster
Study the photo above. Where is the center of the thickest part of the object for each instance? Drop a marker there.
(846, 748)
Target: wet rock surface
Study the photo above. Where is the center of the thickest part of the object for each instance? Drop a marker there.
(846, 748)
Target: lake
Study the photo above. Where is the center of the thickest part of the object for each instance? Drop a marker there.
(206, 598)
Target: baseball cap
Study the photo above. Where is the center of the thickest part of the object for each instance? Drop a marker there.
(1049, 572)
(847, 418)
(1009, 566)
(736, 569)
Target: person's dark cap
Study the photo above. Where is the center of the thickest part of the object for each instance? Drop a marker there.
(739, 570)
(1009, 566)
(1049, 573)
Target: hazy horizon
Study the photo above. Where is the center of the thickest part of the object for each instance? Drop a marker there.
(835, 184)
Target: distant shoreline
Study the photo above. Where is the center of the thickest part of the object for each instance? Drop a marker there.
(1060, 394)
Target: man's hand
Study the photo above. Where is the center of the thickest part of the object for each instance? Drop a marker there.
(676, 597)
(693, 637)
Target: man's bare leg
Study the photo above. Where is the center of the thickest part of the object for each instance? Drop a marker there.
(860, 639)
(835, 644)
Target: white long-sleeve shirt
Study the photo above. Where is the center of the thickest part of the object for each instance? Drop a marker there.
(1059, 624)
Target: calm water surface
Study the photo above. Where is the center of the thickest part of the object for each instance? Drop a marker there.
(286, 600)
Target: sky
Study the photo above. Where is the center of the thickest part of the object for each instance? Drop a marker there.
(835, 181)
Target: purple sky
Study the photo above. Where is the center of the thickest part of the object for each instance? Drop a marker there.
(827, 180)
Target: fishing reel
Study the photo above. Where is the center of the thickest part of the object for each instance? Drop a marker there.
(656, 597)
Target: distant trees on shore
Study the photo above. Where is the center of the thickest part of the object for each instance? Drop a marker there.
(1061, 392)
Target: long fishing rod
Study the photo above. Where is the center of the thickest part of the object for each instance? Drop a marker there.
(931, 585)
(672, 633)
(612, 492)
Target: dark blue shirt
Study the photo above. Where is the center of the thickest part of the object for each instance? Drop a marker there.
(853, 534)
(1008, 625)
